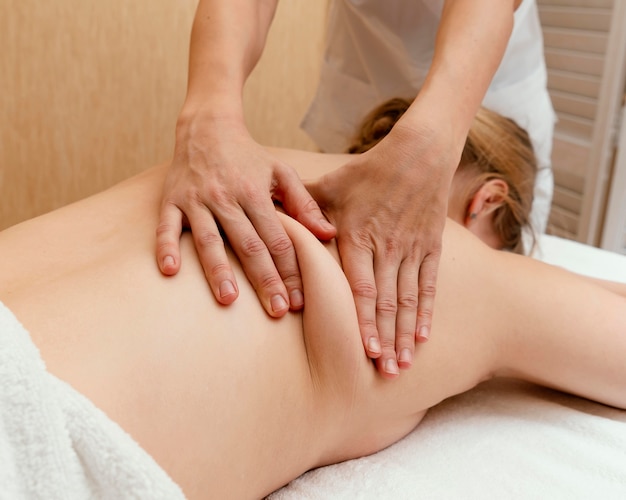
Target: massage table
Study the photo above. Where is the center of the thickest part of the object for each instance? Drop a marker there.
(504, 439)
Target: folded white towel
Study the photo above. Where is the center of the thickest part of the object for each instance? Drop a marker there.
(55, 444)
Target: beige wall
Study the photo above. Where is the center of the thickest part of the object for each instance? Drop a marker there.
(90, 90)
(284, 82)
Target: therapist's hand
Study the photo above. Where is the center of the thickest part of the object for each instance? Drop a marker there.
(389, 207)
(221, 178)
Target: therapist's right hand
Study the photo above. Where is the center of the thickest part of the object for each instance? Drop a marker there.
(220, 178)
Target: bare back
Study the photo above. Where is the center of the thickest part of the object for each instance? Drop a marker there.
(245, 400)
(227, 400)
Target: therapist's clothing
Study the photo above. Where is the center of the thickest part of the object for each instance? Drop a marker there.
(378, 49)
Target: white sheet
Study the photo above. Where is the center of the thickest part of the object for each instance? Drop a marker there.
(503, 440)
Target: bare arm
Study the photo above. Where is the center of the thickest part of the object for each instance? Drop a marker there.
(470, 44)
(565, 331)
(227, 40)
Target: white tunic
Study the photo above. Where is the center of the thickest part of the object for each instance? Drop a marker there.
(378, 49)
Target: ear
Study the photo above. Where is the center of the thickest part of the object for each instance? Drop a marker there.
(489, 197)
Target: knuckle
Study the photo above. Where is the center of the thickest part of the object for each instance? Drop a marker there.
(407, 301)
(436, 247)
(280, 245)
(164, 229)
(386, 307)
(424, 315)
(252, 246)
(283, 169)
(368, 325)
(207, 239)
(166, 248)
(388, 345)
(290, 276)
(217, 270)
(392, 247)
(269, 281)
(406, 337)
(169, 201)
(359, 238)
(251, 193)
(364, 288)
(310, 205)
(191, 195)
(427, 290)
(207, 194)
(218, 197)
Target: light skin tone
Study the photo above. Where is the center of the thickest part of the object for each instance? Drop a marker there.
(203, 389)
(388, 223)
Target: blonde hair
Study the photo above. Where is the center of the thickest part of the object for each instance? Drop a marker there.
(496, 148)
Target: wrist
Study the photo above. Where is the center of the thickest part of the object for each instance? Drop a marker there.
(211, 105)
(209, 113)
(201, 131)
(438, 139)
(445, 119)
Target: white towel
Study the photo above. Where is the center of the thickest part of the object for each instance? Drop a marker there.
(55, 444)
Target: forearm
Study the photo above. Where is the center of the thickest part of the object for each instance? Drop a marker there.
(227, 39)
(565, 332)
(471, 41)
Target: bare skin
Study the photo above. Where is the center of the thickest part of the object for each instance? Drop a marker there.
(220, 176)
(204, 389)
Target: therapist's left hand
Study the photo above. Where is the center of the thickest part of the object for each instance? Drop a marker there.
(389, 206)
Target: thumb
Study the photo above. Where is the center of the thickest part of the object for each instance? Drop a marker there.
(299, 204)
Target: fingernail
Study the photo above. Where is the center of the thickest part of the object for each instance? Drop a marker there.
(168, 261)
(326, 225)
(405, 356)
(373, 345)
(296, 298)
(227, 288)
(278, 303)
(391, 367)
(423, 333)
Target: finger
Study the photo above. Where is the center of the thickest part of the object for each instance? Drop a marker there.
(299, 204)
(358, 267)
(212, 254)
(282, 251)
(407, 312)
(386, 272)
(256, 260)
(427, 287)
(168, 233)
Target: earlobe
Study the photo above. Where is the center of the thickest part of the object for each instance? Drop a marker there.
(471, 214)
(488, 198)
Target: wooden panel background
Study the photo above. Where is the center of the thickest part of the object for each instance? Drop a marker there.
(575, 38)
(283, 84)
(90, 91)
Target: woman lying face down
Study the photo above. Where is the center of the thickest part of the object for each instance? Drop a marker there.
(234, 404)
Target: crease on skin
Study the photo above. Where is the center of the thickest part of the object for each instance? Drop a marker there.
(353, 390)
(313, 372)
